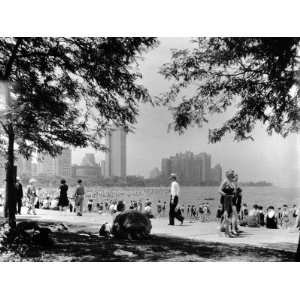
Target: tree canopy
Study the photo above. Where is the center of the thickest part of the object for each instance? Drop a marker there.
(258, 75)
(67, 91)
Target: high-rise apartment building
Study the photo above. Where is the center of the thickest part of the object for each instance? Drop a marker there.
(63, 164)
(216, 174)
(191, 169)
(115, 158)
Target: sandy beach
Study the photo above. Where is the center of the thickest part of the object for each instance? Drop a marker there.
(254, 244)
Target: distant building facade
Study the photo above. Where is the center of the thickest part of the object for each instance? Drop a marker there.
(56, 166)
(86, 172)
(24, 166)
(88, 160)
(191, 169)
(115, 157)
(216, 174)
(63, 164)
(154, 173)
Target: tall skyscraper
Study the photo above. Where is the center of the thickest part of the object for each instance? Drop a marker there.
(115, 157)
(165, 168)
(63, 164)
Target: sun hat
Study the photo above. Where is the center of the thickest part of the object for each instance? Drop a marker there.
(32, 180)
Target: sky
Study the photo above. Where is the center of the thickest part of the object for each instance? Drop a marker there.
(272, 158)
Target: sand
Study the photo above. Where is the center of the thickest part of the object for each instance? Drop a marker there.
(190, 242)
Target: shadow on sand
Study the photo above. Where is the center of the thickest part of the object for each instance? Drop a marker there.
(87, 247)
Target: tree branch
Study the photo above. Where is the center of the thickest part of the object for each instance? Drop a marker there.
(12, 58)
(4, 127)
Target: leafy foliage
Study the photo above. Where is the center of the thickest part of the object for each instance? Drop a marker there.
(68, 91)
(259, 75)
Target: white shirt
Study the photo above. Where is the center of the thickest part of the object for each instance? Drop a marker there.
(175, 189)
(148, 210)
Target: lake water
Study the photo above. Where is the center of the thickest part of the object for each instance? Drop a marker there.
(264, 196)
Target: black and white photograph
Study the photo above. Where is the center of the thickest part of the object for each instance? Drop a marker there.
(149, 149)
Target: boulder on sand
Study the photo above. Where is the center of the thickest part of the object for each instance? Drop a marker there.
(132, 225)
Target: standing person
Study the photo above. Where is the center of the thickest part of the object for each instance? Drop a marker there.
(236, 205)
(90, 205)
(79, 197)
(140, 206)
(188, 211)
(31, 195)
(227, 191)
(164, 208)
(175, 211)
(285, 217)
(63, 200)
(19, 195)
(159, 208)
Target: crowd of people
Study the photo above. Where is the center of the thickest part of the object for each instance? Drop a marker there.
(232, 213)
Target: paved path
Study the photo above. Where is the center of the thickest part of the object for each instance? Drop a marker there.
(274, 239)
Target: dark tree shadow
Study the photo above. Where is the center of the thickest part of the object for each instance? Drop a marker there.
(75, 247)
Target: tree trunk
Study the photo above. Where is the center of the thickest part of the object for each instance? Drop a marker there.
(10, 199)
(297, 257)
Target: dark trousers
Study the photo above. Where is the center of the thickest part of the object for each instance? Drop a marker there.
(174, 214)
(19, 205)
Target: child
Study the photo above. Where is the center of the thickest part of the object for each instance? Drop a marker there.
(188, 211)
(193, 212)
(201, 212)
(90, 205)
(244, 212)
(285, 217)
(159, 208)
(164, 208)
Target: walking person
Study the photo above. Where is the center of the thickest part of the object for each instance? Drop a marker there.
(63, 200)
(31, 195)
(175, 211)
(79, 197)
(19, 195)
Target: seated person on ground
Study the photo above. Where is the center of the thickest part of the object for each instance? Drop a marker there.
(271, 220)
(253, 218)
(148, 210)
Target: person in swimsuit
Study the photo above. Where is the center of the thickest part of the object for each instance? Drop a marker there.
(227, 191)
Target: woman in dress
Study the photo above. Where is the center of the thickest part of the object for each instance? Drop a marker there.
(63, 200)
(227, 191)
(32, 196)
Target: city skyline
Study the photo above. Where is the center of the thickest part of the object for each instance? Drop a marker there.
(272, 158)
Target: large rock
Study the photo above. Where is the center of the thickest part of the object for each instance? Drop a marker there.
(132, 225)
